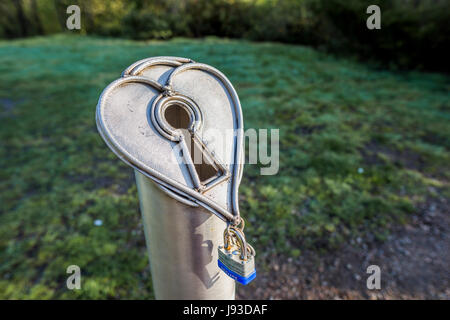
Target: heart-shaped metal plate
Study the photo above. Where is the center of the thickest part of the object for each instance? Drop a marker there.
(131, 119)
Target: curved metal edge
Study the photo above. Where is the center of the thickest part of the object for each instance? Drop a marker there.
(128, 71)
(154, 62)
(237, 166)
(159, 106)
(177, 197)
(146, 170)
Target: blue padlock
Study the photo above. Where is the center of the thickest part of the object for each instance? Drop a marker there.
(236, 256)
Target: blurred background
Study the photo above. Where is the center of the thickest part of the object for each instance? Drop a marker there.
(364, 143)
(415, 32)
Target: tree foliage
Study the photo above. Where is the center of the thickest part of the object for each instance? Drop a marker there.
(413, 34)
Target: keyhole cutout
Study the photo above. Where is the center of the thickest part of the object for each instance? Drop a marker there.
(177, 117)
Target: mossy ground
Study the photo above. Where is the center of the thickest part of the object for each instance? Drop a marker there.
(359, 150)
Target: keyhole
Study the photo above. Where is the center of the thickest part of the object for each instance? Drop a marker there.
(178, 117)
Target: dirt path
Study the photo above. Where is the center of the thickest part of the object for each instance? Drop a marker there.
(414, 264)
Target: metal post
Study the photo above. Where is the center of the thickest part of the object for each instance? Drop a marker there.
(182, 242)
(184, 208)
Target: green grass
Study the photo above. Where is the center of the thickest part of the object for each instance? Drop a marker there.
(359, 150)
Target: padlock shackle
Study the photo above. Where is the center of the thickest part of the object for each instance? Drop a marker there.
(239, 236)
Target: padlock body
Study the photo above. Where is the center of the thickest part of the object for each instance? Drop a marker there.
(231, 263)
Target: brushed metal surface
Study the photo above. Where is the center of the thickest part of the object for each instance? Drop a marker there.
(183, 247)
(123, 113)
